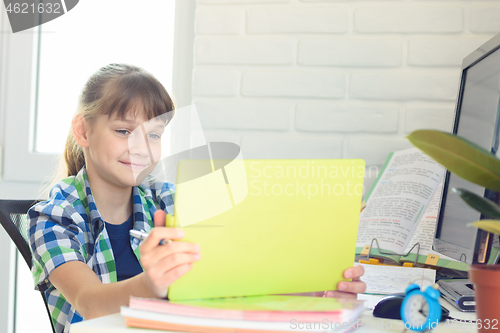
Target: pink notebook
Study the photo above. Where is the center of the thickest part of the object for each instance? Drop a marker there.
(281, 308)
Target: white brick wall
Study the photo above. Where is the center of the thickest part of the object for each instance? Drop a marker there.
(485, 18)
(440, 117)
(291, 146)
(346, 117)
(374, 149)
(332, 78)
(293, 83)
(244, 114)
(297, 20)
(215, 82)
(401, 85)
(225, 21)
(409, 18)
(441, 51)
(244, 50)
(350, 52)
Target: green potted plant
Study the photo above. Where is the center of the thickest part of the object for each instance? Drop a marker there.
(472, 163)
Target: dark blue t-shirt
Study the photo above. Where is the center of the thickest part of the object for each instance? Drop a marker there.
(126, 262)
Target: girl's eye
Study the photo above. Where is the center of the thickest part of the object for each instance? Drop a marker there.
(154, 136)
(123, 131)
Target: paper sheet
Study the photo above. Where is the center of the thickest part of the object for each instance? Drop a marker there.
(381, 279)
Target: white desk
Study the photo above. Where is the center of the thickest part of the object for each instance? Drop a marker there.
(116, 324)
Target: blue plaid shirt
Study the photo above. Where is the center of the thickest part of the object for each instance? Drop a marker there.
(69, 227)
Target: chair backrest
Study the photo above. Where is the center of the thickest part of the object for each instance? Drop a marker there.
(13, 217)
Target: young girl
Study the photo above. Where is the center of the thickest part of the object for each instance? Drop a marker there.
(83, 257)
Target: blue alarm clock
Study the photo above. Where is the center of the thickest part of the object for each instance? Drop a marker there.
(420, 310)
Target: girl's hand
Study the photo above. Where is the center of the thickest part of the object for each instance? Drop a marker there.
(163, 264)
(345, 289)
(349, 289)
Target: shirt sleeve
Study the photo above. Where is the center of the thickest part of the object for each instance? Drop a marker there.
(54, 240)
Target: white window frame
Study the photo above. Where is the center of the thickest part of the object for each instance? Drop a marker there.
(21, 164)
(22, 171)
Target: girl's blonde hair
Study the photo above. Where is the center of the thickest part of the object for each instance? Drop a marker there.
(115, 89)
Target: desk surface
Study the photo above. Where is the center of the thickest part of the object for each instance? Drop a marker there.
(115, 323)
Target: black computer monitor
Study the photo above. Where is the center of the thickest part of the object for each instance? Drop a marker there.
(476, 119)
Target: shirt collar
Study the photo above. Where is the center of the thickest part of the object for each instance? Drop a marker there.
(140, 215)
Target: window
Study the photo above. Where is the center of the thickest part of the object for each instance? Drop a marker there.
(41, 75)
(45, 71)
(93, 34)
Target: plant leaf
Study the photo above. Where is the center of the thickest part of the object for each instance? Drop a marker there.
(492, 226)
(484, 206)
(463, 158)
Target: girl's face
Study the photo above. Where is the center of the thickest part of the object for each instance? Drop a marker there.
(122, 152)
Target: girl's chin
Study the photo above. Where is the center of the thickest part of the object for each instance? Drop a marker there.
(140, 175)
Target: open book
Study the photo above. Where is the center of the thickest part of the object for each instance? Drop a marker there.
(402, 209)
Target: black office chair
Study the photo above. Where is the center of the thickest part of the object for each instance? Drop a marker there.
(14, 221)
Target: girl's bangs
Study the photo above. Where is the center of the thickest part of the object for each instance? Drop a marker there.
(139, 93)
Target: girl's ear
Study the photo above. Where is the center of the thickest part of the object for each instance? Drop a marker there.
(79, 128)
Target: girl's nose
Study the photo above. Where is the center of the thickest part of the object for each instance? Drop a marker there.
(137, 143)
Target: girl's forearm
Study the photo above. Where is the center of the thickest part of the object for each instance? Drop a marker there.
(107, 298)
(89, 296)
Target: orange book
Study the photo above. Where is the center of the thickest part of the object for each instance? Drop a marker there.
(160, 325)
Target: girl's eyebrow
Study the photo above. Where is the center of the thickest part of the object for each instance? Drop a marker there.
(136, 124)
(155, 123)
(161, 126)
(131, 122)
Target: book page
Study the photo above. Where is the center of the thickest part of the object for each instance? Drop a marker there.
(426, 228)
(399, 200)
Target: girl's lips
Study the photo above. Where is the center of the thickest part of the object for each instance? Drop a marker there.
(134, 166)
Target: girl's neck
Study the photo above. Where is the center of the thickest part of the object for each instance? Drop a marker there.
(113, 203)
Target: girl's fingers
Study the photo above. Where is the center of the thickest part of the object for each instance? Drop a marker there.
(167, 271)
(175, 273)
(159, 218)
(340, 294)
(167, 264)
(356, 287)
(354, 272)
(164, 264)
(161, 252)
(158, 234)
(160, 282)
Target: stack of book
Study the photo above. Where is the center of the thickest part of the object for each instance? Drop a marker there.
(273, 313)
